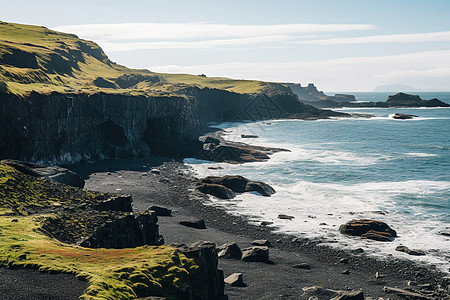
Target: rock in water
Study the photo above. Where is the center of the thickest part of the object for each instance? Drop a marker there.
(235, 183)
(257, 253)
(399, 116)
(216, 190)
(54, 173)
(370, 229)
(285, 217)
(235, 279)
(260, 187)
(410, 251)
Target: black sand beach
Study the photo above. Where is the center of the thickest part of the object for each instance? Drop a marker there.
(174, 188)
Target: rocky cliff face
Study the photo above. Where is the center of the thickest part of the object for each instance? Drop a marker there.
(60, 128)
(66, 128)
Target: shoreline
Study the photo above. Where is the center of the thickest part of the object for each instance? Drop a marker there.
(174, 188)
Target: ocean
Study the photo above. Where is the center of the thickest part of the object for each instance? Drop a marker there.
(396, 171)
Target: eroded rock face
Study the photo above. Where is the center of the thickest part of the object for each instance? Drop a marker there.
(371, 229)
(54, 173)
(127, 231)
(208, 282)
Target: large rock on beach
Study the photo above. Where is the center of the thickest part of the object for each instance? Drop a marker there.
(216, 190)
(256, 254)
(370, 229)
(235, 279)
(235, 183)
(54, 173)
(229, 250)
(160, 211)
(196, 223)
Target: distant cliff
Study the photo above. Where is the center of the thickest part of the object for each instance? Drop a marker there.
(397, 100)
(310, 95)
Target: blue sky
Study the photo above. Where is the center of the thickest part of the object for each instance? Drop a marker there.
(341, 45)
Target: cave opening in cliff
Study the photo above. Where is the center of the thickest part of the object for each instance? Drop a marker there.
(113, 134)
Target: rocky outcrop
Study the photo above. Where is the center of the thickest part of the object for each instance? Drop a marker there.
(127, 231)
(399, 116)
(54, 173)
(122, 203)
(408, 100)
(208, 282)
(236, 183)
(370, 229)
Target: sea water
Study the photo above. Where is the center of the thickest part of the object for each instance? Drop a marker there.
(396, 171)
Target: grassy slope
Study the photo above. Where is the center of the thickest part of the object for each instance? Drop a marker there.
(111, 273)
(43, 43)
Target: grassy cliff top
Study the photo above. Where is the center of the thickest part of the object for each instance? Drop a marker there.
(35, 58)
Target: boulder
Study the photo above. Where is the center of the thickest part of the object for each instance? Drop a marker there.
(370, 229)
(256, 254)
(399, 116)
(249, 136)
(235, 279)
(302, 265)
(349, 295)
(285, 217)
(54, 173)
(198, 224)
(410, 251)
(261, 243)
(229, 250)
(160, 211)
(216, 190)
(260, 187)
(236, 183)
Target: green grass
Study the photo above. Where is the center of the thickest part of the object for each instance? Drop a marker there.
(110, 273)
(88, 63)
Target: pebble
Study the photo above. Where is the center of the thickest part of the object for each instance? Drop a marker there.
(343, 261)
(345, 272)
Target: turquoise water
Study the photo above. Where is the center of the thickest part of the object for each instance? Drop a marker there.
(397, 171)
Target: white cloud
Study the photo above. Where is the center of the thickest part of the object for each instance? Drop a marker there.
(117, 47)
(430, 70)
(183, 31)
(443, 36)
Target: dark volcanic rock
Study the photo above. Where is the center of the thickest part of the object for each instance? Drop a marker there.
(116, 203)
(127, 231)
(249, 136)
(410, 251)
(370, 229)
(229, 250)
(257, 254)
(261, 243)
(217, 190)
(260, 187)
(198, 224)
(208, 281)
(399, 116)
(103, 83)
(160, 211)
(235, 183)
(54, 173)
(285, 217)
(407, 100)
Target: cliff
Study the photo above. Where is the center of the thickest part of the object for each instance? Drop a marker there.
(62, 100)
(310, 95)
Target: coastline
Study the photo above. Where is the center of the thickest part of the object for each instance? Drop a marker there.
(174, 188)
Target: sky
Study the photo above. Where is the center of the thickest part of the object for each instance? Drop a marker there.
(339, 45)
